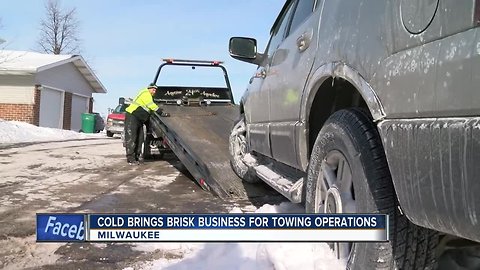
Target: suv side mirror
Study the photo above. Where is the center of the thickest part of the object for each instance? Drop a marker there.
(244, 49)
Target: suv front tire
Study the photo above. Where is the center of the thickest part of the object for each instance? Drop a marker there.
(348, 167)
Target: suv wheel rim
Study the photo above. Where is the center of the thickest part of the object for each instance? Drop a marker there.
(335, 194)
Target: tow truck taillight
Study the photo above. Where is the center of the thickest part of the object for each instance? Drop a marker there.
(204, 185)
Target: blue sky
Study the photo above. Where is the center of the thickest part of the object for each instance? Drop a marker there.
(124, 41)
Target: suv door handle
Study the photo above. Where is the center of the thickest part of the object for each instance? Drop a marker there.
(303, 41)
(261, 74)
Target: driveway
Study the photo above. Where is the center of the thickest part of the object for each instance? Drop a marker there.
(90, 176)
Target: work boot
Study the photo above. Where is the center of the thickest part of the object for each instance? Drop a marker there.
(132, 161)
(140, 159)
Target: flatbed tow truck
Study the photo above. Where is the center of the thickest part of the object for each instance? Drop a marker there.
(198, 130)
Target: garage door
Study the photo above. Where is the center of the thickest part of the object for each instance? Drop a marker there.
(51, 108)
(79, 106)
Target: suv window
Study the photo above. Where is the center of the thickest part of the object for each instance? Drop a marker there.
(303, 10)
(278, 32)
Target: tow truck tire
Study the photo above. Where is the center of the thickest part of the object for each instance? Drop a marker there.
(238, 149)
(109, 134)
(146, 150)
(351, 136)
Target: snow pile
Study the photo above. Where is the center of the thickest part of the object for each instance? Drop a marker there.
(248, 256)
(19, 132)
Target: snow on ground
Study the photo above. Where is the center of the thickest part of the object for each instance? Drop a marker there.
(178, 256)
(242, 256)
(20, 132)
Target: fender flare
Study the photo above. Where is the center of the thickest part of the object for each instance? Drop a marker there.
(317, 78)
(341, 70)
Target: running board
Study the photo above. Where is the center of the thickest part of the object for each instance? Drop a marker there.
(287, 187)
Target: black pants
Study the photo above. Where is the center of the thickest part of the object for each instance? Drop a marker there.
(133, 137)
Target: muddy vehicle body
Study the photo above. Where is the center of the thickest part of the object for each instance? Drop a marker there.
(369, 107)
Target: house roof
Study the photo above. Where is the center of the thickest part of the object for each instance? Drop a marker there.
(25, 63)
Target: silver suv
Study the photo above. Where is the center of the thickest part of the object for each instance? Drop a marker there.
(370, 107)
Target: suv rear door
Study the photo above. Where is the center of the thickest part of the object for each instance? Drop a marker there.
(257, 106)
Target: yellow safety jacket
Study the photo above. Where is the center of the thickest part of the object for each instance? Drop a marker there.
(142, 105)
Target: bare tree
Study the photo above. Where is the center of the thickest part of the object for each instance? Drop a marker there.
(1, 40)
(3, 58)
(59, 30)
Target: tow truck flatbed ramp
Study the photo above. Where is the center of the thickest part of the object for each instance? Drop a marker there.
(199, 138)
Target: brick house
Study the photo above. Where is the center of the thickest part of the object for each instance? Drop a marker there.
(46, 90)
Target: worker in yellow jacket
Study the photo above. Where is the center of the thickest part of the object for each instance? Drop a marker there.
(137, 115)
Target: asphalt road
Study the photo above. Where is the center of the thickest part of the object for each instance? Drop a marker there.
(90, 176)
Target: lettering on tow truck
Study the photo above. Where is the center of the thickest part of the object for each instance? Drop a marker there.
(210, 95)
(173, 93)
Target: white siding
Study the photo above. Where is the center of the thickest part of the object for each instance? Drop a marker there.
(65, 77)
(17, 94)
(17, 89)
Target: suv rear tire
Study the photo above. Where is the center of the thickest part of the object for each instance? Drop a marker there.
(109, 134)
(351, 135)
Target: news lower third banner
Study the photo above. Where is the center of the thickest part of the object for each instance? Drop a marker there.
(212, 228)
